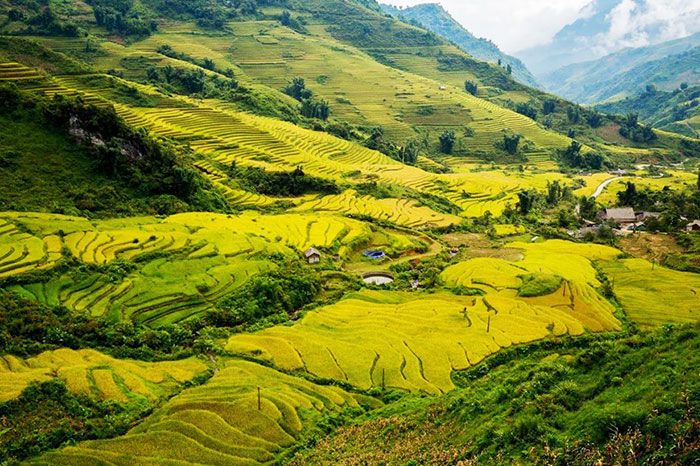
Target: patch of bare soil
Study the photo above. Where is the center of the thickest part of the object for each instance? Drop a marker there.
(651, 246)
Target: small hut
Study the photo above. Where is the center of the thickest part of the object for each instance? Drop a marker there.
(694, 226)
(313, 256)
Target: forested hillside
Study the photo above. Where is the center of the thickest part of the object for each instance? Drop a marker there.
(677, 111)
(628, 72)
(433, 17)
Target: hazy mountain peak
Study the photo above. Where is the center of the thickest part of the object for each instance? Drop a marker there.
(606, 26)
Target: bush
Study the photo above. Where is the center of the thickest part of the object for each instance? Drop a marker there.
(539, 284)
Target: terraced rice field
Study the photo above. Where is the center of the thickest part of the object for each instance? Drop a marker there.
(395, 340)
(676, 180)
(653, 295)
(404, 212)
(90, 373)
(14, 72)
(186, 262)
(225, 136)
(219, 423)
(21, 252)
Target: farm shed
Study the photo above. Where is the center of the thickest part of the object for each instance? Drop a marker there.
(313, 256)
(694, 226)
(618, 215)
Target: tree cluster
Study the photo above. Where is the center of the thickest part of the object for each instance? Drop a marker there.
(631, 129)
(447, 141)
(309, 108)
(574, 158)
(118, 16)
(526, 109)
(282, 184)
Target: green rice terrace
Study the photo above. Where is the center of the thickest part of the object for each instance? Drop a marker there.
(195, 197)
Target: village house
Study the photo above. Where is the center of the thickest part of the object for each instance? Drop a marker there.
(621, 215)
(313, 256)
(645, 216)
(694, 226)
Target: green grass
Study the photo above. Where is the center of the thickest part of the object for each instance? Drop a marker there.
(539, 284)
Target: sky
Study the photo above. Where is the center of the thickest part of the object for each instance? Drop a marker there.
(515, 25)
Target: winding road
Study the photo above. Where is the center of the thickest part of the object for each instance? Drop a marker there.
(604, 185)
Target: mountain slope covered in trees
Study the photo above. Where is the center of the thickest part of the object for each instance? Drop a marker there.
(677, 111)
(627, 72)
(435, 18)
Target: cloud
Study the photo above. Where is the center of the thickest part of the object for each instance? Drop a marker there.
(512, 24)
(520, 24)
(647, 22)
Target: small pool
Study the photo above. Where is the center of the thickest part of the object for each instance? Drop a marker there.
(378, 278)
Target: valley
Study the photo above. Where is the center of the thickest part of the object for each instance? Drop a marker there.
(193, 195)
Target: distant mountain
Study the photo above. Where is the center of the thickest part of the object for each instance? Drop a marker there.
(627, 72)
(433, 17)
(606, 26)
(677, 111)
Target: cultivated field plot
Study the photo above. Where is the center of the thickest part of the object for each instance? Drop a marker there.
(396, 340)
(676, 180)
(184, 263)
(653, 295)
(224, 135)
(90, 373)
(404, 212)
(13, 72)
(219, 423)
(21, 252)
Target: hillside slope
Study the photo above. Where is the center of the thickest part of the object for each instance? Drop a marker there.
(628, 71)
(677, 111)
(435, 18)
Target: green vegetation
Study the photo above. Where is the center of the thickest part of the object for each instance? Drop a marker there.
(676, 111)
(434, 18)
(48, 415)
(609, 399)
(239, 232)
(539, 284)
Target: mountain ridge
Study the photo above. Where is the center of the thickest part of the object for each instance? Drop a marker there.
(435, 18)
(628, 71)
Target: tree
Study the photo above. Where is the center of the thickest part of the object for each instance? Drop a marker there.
(526, 109)
(286, 18)
(471, 87)
(587, 207)
(684, 86)
(573, 113)
(629, 195)
(409, 153)
(594, 119)
(549, 106)
(297, 89)
(527, 200)
(311, 109)
(698, 183)
(447, 141)
(555, 192)
(509, 69)
(511, 142)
